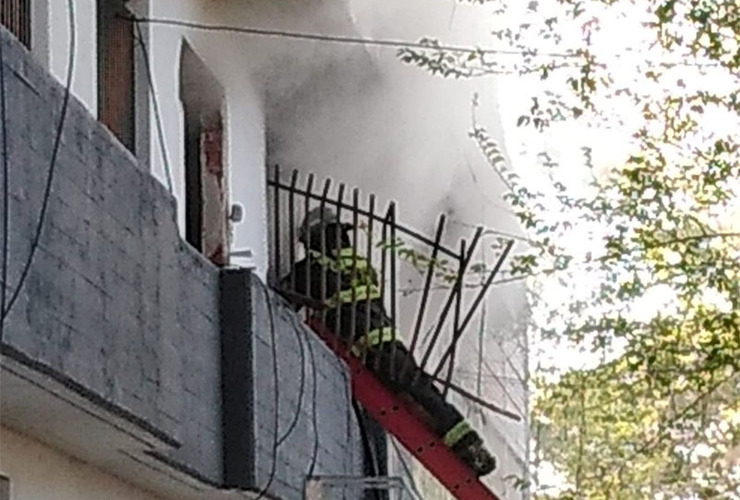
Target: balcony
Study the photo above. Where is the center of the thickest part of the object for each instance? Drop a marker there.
(128, 349)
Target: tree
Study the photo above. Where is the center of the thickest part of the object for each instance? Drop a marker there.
(653, 294)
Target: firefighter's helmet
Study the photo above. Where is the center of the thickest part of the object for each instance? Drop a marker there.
(315, 218)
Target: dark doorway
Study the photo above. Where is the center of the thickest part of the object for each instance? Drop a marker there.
(206, 200)
(116, 71)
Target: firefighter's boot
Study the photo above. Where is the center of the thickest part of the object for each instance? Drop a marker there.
(469, 447)
(477, 457)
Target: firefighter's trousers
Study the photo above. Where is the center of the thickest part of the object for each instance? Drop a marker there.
(399, 371)
(388, 362)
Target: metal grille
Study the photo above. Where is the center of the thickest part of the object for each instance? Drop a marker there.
(116, 70)
(384, 245)
(345, 275)
(15, 15)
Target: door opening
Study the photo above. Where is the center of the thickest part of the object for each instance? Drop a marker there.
(206, 194)
(116, 71)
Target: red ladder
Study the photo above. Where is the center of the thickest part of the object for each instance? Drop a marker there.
(400, 419)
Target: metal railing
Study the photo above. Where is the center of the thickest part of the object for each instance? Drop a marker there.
(15, 15)
(377, 237)
(344, 487)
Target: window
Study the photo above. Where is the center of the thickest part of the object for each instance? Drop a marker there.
(15, 15)
(206, 193)
(116, 75)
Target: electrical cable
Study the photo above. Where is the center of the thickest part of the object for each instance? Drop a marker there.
(6, 187)
(300, 328)
(52, 166)
(317, 37)
(371, 459)
(301, 391)
(364, 435)
(314, 393)
(155, 102)
(276, 386)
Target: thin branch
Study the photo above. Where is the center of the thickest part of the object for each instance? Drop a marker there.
(694, 238)
(489, 231)
(650, 445)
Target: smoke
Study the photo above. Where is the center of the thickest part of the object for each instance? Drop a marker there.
(360, 116)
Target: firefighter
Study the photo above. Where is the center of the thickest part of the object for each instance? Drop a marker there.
(341, 284)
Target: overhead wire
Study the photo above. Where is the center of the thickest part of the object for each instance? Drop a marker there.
(340, 39)
(155, 103)
(425, 44)
(6, 185)
(72, 47)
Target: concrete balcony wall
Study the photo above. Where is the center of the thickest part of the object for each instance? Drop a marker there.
(314, 406)
(114, 302)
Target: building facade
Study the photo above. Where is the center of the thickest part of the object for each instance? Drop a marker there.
(122, 354)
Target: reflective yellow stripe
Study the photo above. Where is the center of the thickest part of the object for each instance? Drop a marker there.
(457, 432)
(373, 338)
(346, 261)
(323, 259)
(361, 288)
(378, 336)
(355, 294)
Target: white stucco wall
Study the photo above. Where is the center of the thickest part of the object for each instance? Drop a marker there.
(54, 51)
(38, 472)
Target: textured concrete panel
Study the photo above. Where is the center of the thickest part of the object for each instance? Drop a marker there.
(113, 301)
(315, 426)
